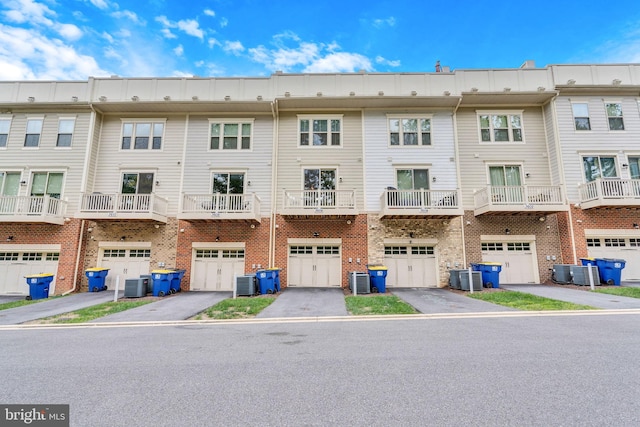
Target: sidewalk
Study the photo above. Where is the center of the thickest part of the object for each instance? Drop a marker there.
(577, 296)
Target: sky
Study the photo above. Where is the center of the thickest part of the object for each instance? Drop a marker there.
(76, 39)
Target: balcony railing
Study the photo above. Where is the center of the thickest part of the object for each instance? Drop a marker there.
(44, 209)
(319, 202)
(521, 198)
(610, 192)
(420, 203)
(123, 206)
(218, 206)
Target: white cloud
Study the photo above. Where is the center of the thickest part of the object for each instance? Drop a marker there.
(128, 15)
(69, 31)
(179, 51)
(339, 63)
(188, 26)
(167, 34)
(21, 11)
(212, 42)
(27, 54)
(100, 4)
(233, 47)
(224, 22)
(108, 37)
(386, 22)
(209, 12)
(384, 61)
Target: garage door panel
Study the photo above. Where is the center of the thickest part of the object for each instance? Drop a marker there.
(627, 249)
(314, 266)
(213, 269)
(518, 261)
(124, 264)
(411, 266)
(14, 266)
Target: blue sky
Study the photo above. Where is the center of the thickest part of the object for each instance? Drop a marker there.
(75, 39)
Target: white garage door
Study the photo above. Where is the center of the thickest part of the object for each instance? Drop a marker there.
(127, 263)
(314, 266)
(411, 266)
(214, 269)
(14, 266)
(627, 249)
(518, 260)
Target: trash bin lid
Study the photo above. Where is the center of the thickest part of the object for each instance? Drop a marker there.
(163, 271)
(489, 263)
(274, 268)
(39, 275)
(96, 269)
(377, 267)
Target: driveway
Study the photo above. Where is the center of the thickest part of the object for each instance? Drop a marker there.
(53, 307)
(577, 296)
(440, 300)
(180, 306)
(307, 302)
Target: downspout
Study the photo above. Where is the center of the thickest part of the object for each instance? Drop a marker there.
(561, 173)
(83, 188)
(274, 196)
(458, 177)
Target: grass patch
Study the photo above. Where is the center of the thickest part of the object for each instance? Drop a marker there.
(377, 304)
(18, 303)
(94, 312)
(528, 302)
(623, 292)
(239, 308)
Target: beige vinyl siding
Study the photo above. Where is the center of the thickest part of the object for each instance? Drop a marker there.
(48, 157)
(200, 162)
(381, 160)
(93, 155)
(599, 140)
(165, 163)
(552, 149)
(347, 158)
(474, 156)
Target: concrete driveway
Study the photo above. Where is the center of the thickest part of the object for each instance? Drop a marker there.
(307, 302)
(440, 300)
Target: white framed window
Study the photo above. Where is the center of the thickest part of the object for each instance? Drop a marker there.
(230, 134)
(142, 135)
(137, 182)
(412, 179)
(47, 184)
(228, 182)
(409, 131)
(320, 131)
(614, 115)
(634, 167)
(32, 136)
(500, 126)
(5, 126)
(599, 167)
(10, 183)
(65, 132)
(581, 115)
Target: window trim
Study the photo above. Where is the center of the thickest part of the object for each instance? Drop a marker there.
(320, 169)
(599, 155)
(26, 127)
(33, 172)
(60, 119)
(507, 113)
(232, 121)
(130, 170)
(410, 116)
(213, 171)
(413, 168)
(310, 118)
(151, 121)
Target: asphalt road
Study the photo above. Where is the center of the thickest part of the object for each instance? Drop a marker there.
(495, 371)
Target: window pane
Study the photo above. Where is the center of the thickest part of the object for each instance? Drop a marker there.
(515, 122)
(230, 142)
(319, 125)
(127, 129)
(11, 184)
(582, 123)
(410, 125)
(246, 143)
(215, 129)
(394, 139)
(126, 142)
(404, 179)
(616, 123)
(517, 134)
(129, 183)
(145, 183)
(512, 174)
(591, 166)
(54, 186)
(634, 167)
(484, 122)
(319, 139)
(32, 140)
(66, 126)
(141, 143)
(311, 179)
(420, 179)
(220, 183)
(157, 143)
(4, 126)
(304, 125)
(394, 125)
(499, 121)
(236, 183)
(580, 110)
(143, 129)
(39, 184)
(64, 140)
(608, 165)
(335, 139)
(304, 139)
(426, 125)
(335, 125)
(410, 139)
(34, 126)
(614, 110)
(426, 139)
(486, 135)
(158, 128)
(246, 129)
(328, 180)
(215, 142)
(496, 175)
(501, 135)
(3, 140)
(231, 130)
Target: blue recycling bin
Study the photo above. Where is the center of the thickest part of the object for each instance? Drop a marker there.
(587, 261)
(490, 272)
(161, 282)
(97, 277)
(610, 270)
(39, 285)
(176, 280)
(276, 277)
(266, 284)
(377, 278)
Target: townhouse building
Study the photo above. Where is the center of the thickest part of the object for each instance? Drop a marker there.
(320, 175)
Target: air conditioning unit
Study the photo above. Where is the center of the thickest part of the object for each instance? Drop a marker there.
(454, 277)
(580, 275)
(246, 285)
(476, 278)
(135, 288)
(562, 273)
(360, 281)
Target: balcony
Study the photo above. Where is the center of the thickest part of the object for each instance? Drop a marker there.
(99, 206)
(412, 204)
(519, 200)
(220, 207)
(605, 192)
(319, 203)
(34, 209)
